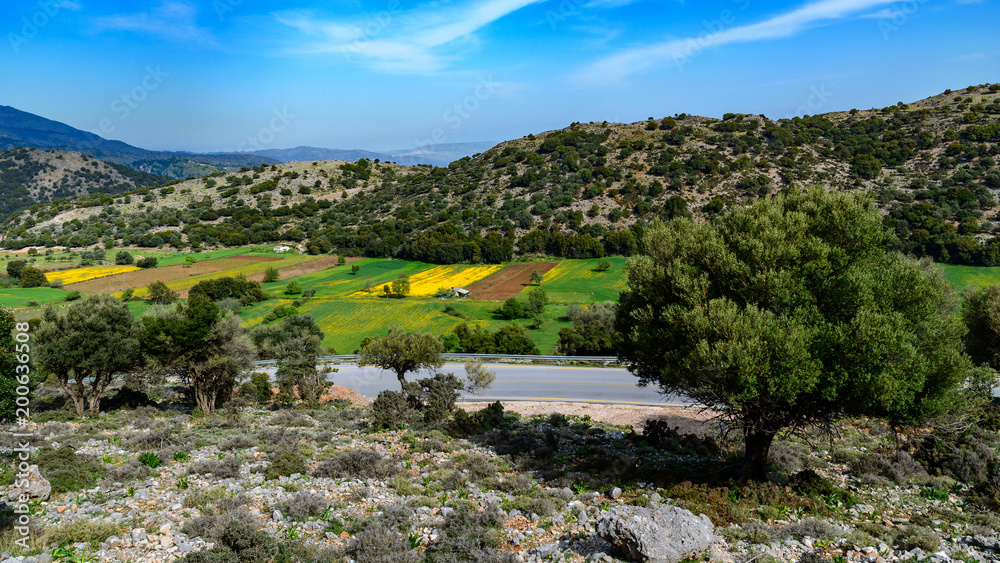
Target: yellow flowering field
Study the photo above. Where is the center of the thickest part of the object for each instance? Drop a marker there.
(88, 273)
(427, 282)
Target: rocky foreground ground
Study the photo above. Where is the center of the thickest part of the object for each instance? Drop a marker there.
(546, 488)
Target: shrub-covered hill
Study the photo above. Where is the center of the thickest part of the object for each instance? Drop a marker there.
(580, 192)
(28, 176)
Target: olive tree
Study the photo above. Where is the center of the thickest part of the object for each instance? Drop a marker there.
(402, 352)
(296, 344)
(203, 344)
(85, 348)
(982, 317)
(790, 313)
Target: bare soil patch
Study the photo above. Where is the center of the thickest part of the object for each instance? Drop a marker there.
(303, 268)
(142, 278)
(508, 282)
(257, 258)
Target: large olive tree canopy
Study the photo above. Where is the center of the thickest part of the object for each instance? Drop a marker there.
(788, 313)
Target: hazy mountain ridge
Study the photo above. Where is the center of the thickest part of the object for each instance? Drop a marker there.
(437, 155)
(23, 129)
(588, 189)
(30, 176)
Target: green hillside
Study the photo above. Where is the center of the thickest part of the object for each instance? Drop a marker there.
(585, 191)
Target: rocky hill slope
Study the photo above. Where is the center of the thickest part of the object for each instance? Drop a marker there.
(28, 176)
(583, 191)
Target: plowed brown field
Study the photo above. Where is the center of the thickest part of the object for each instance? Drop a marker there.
(309, 267)
(508, 282)
(142, 278)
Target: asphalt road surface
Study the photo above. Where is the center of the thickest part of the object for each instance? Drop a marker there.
(525, 383)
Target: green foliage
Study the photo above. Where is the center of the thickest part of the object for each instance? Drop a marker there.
(123, 258)
(239, 287)
(593, 332)
(33, 277)
(390, 411)
(793, 304)
(293, 288)
(285, 463)
(9, 374)
(400, 286)
(15, 267)
(65, 470)
(94, 340)
(508, 339)
(465, 424)
(151, 460)
(200, 341)
(271, 274)
(158, 293)
(147, 262)
(511, 309)
(85, 530)
(403, 352)
(258, 390)
(981, 314)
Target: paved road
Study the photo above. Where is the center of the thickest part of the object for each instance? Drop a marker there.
(526, 383)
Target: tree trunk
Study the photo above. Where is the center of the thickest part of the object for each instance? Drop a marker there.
(76, 395)
(205, 401)
(754, 467)
(95, 404)
(401, 376)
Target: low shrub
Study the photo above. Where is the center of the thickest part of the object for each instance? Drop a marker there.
(659, 434)
(898, 467)
(85, 530)
(228, 468)
(380, 543)
(202, 497)
(390, 411)
(66, 471)
(302, 505)
(468, 535)
(358, 464)
(238, 442)
(919, 536)
(813, 485)
(285, 464)
(278, 439)
(479, 422)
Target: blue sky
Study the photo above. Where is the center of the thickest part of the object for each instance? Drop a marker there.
(207, 75)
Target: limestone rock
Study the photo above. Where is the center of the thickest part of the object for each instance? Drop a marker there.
(666, 534)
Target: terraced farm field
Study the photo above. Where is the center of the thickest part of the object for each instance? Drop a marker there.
(347, 321)
(340, 282)
(20, 297)
(578, 281)
(143, 277)
(234, 266)
(426, 283)
(962, 277)
(508, 282)
(77, 275)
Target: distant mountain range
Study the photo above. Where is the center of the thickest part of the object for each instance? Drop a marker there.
(438, 155)
(22, 129)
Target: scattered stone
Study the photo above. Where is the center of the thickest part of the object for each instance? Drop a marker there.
(615, 493)
(38, 487)
(665, 535)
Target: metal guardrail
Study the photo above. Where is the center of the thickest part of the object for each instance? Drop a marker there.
(603, 359)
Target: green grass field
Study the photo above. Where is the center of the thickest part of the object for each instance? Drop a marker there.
(19, 297)
(578, 281)
(340, 282)
(962, 277)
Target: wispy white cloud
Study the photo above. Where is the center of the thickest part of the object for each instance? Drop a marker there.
(415, 41)
(172, 20)
(617, 67)
(69, 5)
